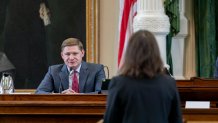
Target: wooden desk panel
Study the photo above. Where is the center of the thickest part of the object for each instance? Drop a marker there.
(82, 108)
(198, 89)
(49, 118)
(52, 108)
(200, 114)
(71, 108)
(198, 82)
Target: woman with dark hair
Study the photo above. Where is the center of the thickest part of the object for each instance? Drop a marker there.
(142, 92)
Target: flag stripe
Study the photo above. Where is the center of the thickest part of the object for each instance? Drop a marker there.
(125, 27)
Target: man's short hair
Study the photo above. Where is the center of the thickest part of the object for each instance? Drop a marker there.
(72, 42)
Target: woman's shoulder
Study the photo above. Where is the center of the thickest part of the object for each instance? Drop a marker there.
(120, 78)
(165, 77)
(167, 81)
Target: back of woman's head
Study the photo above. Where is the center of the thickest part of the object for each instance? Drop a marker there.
(142, 58)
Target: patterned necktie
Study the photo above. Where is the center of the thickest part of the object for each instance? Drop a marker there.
(75, 85)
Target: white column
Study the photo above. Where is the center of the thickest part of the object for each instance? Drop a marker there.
(151, 16)
(177, 48)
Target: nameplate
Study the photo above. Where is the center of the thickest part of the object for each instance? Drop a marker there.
(197, 104)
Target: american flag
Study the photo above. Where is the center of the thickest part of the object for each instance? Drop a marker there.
(128, 10)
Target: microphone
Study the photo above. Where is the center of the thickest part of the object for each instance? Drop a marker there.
(107, 71)
(105, 82)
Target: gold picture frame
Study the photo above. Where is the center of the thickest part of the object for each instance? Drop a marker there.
(92, 36)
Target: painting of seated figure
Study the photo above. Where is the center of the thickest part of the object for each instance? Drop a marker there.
(33, 30)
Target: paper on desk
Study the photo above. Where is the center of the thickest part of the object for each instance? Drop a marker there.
(197, 104)
(21, 93)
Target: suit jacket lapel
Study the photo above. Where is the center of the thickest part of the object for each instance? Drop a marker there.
(64, 76)
(83, 76)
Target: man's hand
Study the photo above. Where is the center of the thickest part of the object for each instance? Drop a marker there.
(69, 91)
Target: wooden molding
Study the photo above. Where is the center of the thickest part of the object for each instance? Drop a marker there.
(92, 7)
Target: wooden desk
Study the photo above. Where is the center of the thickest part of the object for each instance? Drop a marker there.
(70, 108)
(198, 89)
(90, 108)
(52, 108)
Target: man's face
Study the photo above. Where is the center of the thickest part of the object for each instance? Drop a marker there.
(72, 56)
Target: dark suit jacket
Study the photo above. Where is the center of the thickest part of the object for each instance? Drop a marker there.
(145, 100)
(57, 79)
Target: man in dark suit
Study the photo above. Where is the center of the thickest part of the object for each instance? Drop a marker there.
(75, 76)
